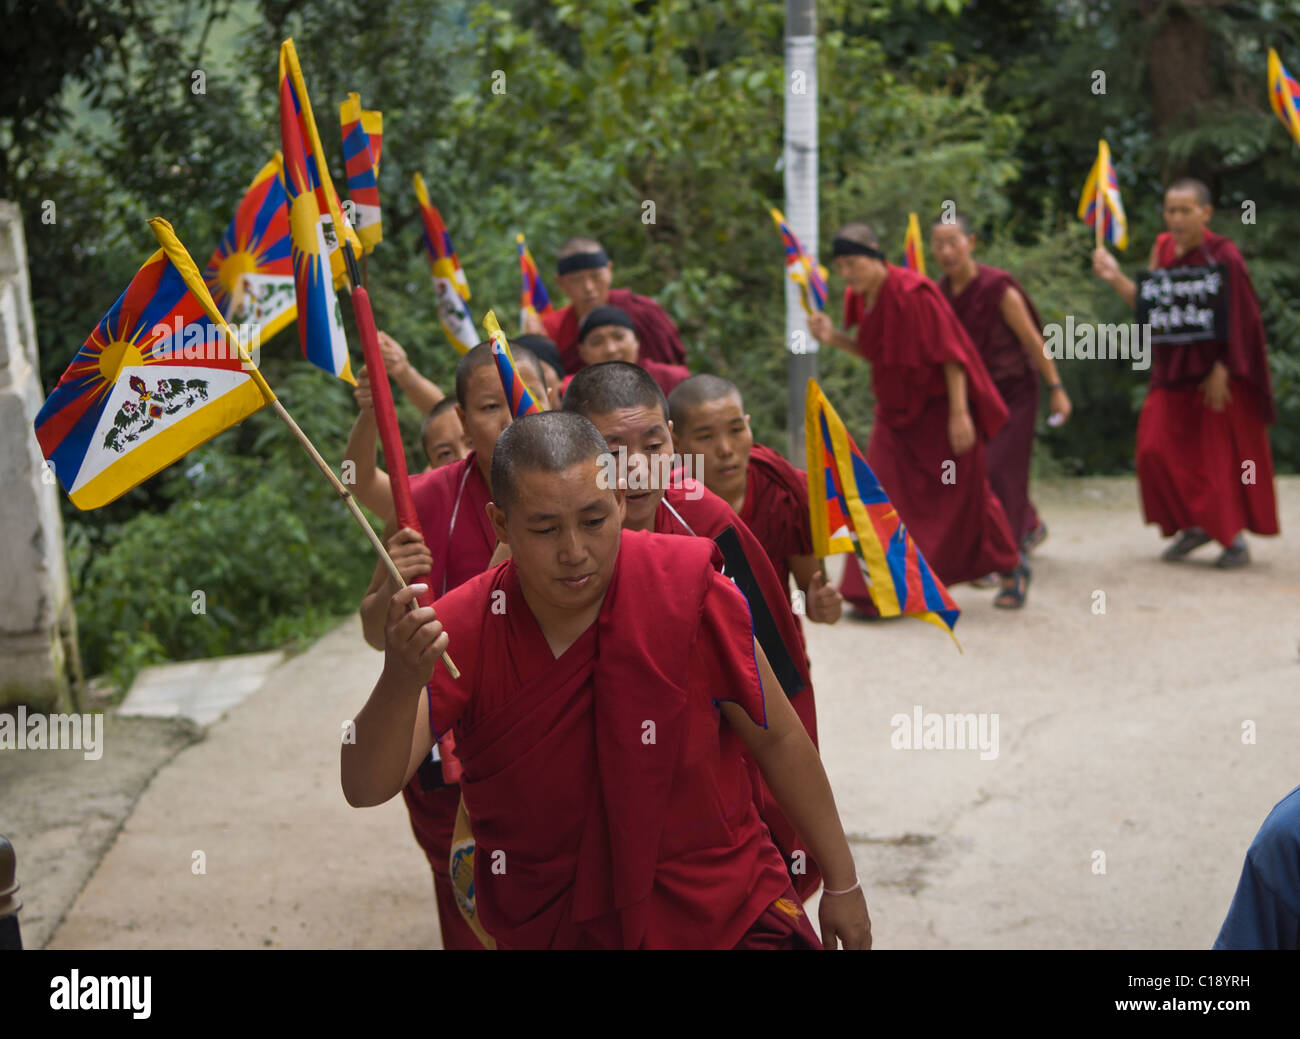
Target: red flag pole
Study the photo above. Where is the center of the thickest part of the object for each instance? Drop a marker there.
(390, 438)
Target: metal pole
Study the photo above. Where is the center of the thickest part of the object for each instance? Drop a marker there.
(800, 165)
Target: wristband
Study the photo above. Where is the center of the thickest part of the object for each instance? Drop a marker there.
(846, 891)
(1056, 386)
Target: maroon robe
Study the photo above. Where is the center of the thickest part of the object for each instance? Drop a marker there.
(959, 526)
(979, 308)
(459, 553)
(589, 834)
(659, 338)
(691, 509)
(1191, 460)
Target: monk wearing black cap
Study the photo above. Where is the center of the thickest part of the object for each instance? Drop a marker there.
(609, 334)
(584, 275)
(935, 408)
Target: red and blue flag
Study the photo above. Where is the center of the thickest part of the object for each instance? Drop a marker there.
(534, 299)
(320, 319)
(850, 512)
(521, 401)
(250, 274)
(809, 275)
(158, 376)
(363, 136)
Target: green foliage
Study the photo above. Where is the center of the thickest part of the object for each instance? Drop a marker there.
(558, 117)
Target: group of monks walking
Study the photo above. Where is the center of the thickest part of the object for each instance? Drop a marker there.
(632, 740)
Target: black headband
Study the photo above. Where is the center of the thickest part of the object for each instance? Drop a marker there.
(581, 262)
(848, 247)
(602, 316)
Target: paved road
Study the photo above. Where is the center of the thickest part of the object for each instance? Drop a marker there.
(1120, 747)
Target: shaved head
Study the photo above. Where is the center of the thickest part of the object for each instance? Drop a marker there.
(605, 388)
(550, 442)
(959, 220)
(699, 389)
(1198, 189)
(481, 357)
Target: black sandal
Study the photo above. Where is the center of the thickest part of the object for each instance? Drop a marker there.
(1013, 598)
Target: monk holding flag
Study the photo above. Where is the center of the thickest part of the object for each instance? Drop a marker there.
(1002, 322)
(604, 776)
(1204, 467)
(935, 408)
(458, 542)
(584, 273)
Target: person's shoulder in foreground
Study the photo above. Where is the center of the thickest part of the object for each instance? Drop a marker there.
(1265, 911)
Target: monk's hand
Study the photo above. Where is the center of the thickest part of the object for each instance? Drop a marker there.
(395, 360)
(365, 401)
(413, 639)
(844, 921)
(410, 554)
(533, 325)
(824, 602)
(961, 432)
(1215, 387)
(821, 327)
(1104, 265)
(1060, 406)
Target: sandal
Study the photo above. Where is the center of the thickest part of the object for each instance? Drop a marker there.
(1013, 598)
(987, 581)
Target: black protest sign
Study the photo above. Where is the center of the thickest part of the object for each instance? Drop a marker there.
(1184, 304)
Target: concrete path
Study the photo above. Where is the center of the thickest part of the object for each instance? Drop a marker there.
(1119, 733)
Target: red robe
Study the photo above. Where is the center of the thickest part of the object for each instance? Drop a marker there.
(952, 513)
(979, 308)
(659, 338)
(589, 832)
(776, 508)
(1191, 460)
(691, 509)
(459, 554)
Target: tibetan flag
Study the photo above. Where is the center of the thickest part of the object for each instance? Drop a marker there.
(521, 401)
(913, 252)
(315, 169)
(1284, 95)
(809, 275)
(450, 289)
(850, 513)
(159, 375)
(1102, 187)
(320, 319)
(250, 275)
(534, 299)
(363, 135)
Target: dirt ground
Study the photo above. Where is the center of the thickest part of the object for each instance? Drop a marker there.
(1115, 814)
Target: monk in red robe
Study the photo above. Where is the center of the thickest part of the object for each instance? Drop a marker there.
(609, 334)
(630, 411)
(1006, 329)
(766, 491)
(584, 273)
(610, 682)
(935, 409)
(451, 503)
(1204, 466)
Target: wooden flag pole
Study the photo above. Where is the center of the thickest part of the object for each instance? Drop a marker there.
(189, 272)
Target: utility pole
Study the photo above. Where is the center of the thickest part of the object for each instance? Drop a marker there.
(800, 166)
